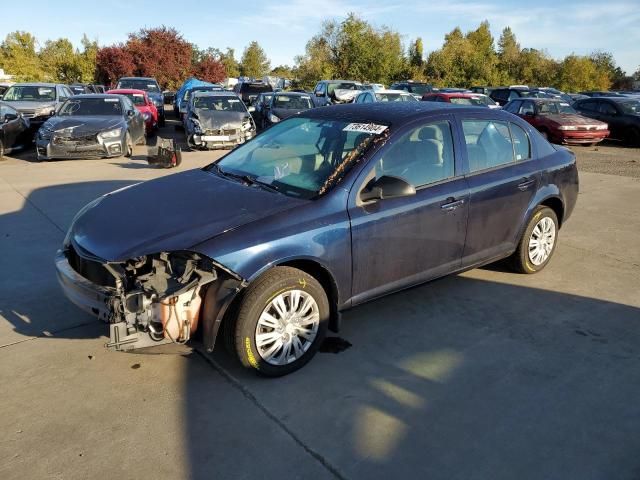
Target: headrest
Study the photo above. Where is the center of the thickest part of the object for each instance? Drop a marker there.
(430, 132)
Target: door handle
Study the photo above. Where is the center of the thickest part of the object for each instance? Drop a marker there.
(526, 183)
(451, 204)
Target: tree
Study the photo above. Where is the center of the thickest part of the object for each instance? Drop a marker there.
(87, 60)
(254, 62)
(581, 73)
(18, 57)
(606, 64)
(210, 69)
(508, 56)
(230, 63)
(161, 53)
(416, 58)
(60, 61)
(282, 71)
(112, 63)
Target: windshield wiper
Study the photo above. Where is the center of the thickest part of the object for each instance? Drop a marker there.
(247, 179)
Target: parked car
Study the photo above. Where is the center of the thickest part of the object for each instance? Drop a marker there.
(149, 85)
(183, 108)
(143, 104)
(14, 129)
(453, 90)
(475, 99)
(417, 89)
(504, 95)
(218, 120)
(92, 125)
(558, 121)
(622, 114)
(329, 92)
(576, 96)
(384, 96)
(260, 107)
(284, 105)
(322, 212)
(376, 87)
(595, 94)
(249, 91)
(484, 90)
(36, 101)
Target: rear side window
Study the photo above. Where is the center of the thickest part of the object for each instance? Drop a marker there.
(591, 105)
(489, 144)
(527, 108)
(513, 106)
(422, 156)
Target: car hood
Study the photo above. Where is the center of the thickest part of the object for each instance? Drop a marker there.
(212, 120)
(29, 105)
(172, 213)
(571, 119)
(84, 124)
(283, 113)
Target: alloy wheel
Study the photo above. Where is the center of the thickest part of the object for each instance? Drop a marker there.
(542, 241)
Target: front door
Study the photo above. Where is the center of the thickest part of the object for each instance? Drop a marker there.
(398, 242)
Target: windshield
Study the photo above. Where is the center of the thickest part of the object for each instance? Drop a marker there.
(136, 98)
(467, 101)
(292, 102)
(343, 86)
(555, 107)
(631, 107)
(91, 106)
(485, 100)
(227, 104)
(30, 93)
(139, 84)
(254, 88)
(419, 88)
(298, 156)
(395, 97)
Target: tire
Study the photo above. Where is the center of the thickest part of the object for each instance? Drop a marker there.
(1, 149)
(633, 137)
(161, 121)
(128, 145)
(524, 261)
(282, 350)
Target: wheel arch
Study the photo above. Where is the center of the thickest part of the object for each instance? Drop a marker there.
(557, 205)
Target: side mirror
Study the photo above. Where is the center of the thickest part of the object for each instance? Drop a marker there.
(10, 117)
(318, 94)
(385, 187)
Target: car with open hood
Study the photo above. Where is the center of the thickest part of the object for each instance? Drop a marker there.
(37, 102)
(91, 125)
(143, 104)
(284, 105)
(321, 212)
(149, 85)
(14, 130)
(217, 120)
(557, 121)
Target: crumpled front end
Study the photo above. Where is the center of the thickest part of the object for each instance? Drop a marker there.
(147, 301)
(52, 144)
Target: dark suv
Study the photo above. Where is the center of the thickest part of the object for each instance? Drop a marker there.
(149, 85)
(504, 95)
(249, 91)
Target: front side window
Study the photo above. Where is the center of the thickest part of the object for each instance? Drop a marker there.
(298, 156)
(421, 156)
(607, 109)
(488, 144)
(91, 106)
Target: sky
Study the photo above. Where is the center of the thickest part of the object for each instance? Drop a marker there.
(283, 28)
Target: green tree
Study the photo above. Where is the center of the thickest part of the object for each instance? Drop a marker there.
(254, 62)
(230, 63)
(282, 71)
(416, 54)
(87, 60)
(60, 61)
(508, 57)
(581, 73)
(18, 57)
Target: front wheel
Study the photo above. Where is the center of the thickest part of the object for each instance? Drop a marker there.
(537, 243)
(280, 323)
(128, 145)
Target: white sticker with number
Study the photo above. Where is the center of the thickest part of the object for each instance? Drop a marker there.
(365, 128)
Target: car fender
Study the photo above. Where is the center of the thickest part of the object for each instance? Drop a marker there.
(546, 192)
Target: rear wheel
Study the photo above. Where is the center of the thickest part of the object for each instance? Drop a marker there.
(633, 136)
(280, 322)
(538, 242)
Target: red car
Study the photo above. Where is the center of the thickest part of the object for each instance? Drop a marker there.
(461, 98)
(558, 121)
(144, 105)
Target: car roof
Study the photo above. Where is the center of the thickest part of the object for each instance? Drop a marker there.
(117, 91)
(395, 113)
(137, 78)
(214, 93)
(36, 84)
(288, 94)
(96, 95)
(456, 94)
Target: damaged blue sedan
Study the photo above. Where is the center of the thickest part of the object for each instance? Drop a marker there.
(322, 212)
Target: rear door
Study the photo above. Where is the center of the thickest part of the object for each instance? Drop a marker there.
(398, 242)
(10, 129)
(503, 178)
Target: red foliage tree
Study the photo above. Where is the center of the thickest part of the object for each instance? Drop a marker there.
(161, 53)
(113, 63)
(210, 70)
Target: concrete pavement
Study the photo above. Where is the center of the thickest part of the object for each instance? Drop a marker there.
(482, 375)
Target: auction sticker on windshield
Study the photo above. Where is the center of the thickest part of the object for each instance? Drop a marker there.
(111, 100)
(365, 128)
